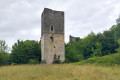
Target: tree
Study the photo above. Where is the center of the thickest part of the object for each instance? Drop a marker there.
(118, 49)
(110, 33)
(117, 32)
(4, 57)
(107, 41)
(87, 43)
(3, 46)
(72, 54)
(97, 51)
(24, 51)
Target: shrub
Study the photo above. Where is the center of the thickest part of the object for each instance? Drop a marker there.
(33, 61)
(13, 63)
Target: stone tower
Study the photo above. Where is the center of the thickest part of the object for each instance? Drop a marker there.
(52, 36)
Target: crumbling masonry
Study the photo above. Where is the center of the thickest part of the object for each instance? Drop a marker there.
(52, 36)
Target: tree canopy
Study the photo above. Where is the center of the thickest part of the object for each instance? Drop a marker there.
(23, 51)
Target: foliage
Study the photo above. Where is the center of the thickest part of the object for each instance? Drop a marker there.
(118, 49)
(117, 32)
(87, 43)
(72, 54)
(13, 63)
(97, 51)
(92, 45)
(119, 42)
(23, 51)
(108, 60)
(82, 49)
(33, 61)
(3, 46)
(4, 57)
(107, 41)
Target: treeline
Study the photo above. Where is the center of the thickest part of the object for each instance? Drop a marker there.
(23, 52)
(94, 45)
(29, 52)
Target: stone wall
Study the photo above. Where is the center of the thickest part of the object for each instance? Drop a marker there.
(73, 39)
(50, 49)
(52, 18)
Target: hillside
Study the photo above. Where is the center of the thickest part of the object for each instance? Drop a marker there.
(108, 60)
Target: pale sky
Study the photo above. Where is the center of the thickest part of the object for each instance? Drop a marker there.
(21, 19)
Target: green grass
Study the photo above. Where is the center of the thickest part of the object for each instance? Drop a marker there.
(108, 60)
(59, 72)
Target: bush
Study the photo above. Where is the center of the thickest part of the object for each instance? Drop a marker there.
(13, 63)
(4, 58)
(67, 60)
(33, 61)
(23, 51)
(108, 60)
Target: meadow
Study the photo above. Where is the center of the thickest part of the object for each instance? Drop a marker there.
(59, 72)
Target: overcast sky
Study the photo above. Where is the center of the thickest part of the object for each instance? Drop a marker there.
(21, 19)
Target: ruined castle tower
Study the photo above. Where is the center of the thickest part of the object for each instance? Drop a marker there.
(52, 36)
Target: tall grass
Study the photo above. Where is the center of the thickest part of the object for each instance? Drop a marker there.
(59, 72)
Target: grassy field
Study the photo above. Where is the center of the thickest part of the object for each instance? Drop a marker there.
(59, 72)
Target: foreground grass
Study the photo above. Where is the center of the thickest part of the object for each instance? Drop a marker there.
(59, 72)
